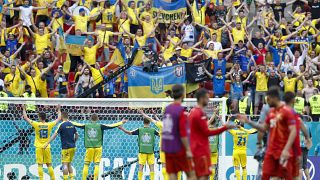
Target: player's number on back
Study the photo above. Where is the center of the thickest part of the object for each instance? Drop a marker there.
(43, 133)
(242, 141)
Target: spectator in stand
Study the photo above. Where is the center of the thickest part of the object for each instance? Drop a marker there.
(61, 83)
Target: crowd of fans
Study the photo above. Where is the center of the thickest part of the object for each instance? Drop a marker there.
(252, 44)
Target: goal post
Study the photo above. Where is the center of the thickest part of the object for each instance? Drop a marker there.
(17, 153)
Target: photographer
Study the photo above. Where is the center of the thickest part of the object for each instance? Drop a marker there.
(150, 61)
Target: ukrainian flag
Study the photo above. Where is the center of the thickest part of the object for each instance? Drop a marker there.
(153, 85)
(172, 10)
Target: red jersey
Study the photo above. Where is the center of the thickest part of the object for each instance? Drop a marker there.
(279, 119)
(260, 58)
(296, 145)
(199, 132)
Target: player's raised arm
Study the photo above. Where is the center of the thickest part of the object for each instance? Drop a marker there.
(59, 114)
(147, 117)
(134, 132)
(111, 126)
(78, 125)
(24, 114)
(259, 126)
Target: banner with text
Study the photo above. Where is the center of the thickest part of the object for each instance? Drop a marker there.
(171, 10)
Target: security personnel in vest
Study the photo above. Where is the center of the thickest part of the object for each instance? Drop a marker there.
(245, 107)
(30, 106)
(299, 104)
(3, 106)
(93, 138)
(146, 141)
(315, 105)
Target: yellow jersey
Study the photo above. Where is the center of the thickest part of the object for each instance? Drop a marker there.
(238, 35)
(289, 84)
(97, 74)
(90, 54)
(43, 132)
(240, 138)
(262, 82)
(108, 16)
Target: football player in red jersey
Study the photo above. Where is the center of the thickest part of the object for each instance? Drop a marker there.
(281, 124)
(199, 135)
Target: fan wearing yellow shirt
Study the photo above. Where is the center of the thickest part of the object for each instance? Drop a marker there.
(240, 142)
(238, 32)
(104, 34)
(8, 59)
(132, 13)
(81, 20)
(211, 53)
(289, 82)
(40, 78)
(108, 14)
(41, 40)
(42, 131)
(214, 30)
(56, 21)
(43, 14)
(186, 51)
(261, 87)
(97, 74)
(139, 37)
(123, 22)
(149, 25)
(90, 52)
(198, 11)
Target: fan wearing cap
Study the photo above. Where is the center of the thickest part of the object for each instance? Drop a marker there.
(57, 20)
(240, 142)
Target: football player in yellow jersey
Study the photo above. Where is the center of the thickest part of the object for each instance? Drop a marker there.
(159, 125)
(214, 142)
(42, 131)
(240, 139)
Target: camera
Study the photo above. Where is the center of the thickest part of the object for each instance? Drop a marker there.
(150, 63)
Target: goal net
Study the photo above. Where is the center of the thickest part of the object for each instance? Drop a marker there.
(17, 152)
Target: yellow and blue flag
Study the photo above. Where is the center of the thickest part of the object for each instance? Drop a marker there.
(172, 10)
(153, 85)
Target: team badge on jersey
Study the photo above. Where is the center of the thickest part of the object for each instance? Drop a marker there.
(92, 133)
(146, 138)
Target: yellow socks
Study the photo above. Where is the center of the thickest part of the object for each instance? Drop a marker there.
(65, 177)
(179, 175)
(244, 174)
(238, 174)
(40, 171)
(71, 176)
(85, 171)
(165, 174)
(51, 172)
(151, 175)
(96, 171)
(213, 174)
(139, 175)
